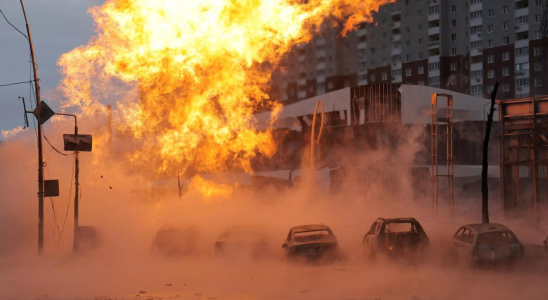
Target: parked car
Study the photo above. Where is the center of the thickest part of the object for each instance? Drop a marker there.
(487, 243)
(311, 242)
(174, 242)
(394, 237)
(249, 241)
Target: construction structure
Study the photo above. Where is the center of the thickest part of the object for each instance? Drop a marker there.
(523, 155)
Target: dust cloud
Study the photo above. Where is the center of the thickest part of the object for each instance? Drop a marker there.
(128, 209)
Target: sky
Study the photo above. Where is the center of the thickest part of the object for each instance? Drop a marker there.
(57, 26)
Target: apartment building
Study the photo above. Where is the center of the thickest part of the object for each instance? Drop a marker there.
(459, 45)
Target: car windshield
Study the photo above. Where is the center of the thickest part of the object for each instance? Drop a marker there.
(301, 237)
(399, 227)
(497, 238)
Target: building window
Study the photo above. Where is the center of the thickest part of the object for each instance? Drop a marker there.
(372, 77)
(538, 3)
(475, 45)
(407, 58)
(396, 59)
(454, 51)
(522, 51)
(522, 67)
(420, 27)
(384, 49)
(538, 66)
(434, 66)
(506, 87)
(420, 42)
(421, 70)
(396, 72)
(490, 43)
(420, 82)
(372, 50)
(475, 14)
(490, 88)
(408, 72)
(453, 23)
(505, 71)
(421, 55)
(490, 13)
(522, 82)
(491, 74)
(384, 76)
(506, 56)
(453, 37)
(408, 29)
(491, 58)
(453, 66)
(537, 19)
(476, 90)
(434, 81)
(419, 13)
(475, 29)
(384, 22)
(384, 35)
(538, 82)
(489, 28)
(453, 80)
(505, 25)
(522, 20)
(506, 40)
(537, 51)
(434, 10)
(408, 44)
(505, 10)
(453, 8)
(475, 74)
(475, 1)
(538, 35)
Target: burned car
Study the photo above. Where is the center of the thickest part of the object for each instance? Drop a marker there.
(311, 242)
(173, 242)
(244, 240)
(487, 243)
(394, 237)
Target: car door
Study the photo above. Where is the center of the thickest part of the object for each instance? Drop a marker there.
(368, 234)
(468, 243)
(371, 238)
(457, 242)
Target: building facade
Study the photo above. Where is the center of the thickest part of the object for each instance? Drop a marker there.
(459, 45)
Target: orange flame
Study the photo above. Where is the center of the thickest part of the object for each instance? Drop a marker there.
(190, 74)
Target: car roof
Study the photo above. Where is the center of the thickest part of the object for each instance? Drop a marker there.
(312, 227)
(488, 227)
(396, 220)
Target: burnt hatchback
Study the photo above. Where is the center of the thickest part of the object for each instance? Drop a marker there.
(394, 237)
(486, 243)
(311, 242)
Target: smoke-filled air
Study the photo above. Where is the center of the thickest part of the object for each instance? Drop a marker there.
(274, 149)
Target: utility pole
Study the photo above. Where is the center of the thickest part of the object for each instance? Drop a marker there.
(485, 165)
(40, 158)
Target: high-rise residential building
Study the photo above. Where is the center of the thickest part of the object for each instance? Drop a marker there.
(459, 45)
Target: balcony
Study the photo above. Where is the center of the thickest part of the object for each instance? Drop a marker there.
(434, 17)
(319, 42)
(396, 65)
(522, 90)
(477, 80)
(521, 59)
(320, 53)
(396, 79)
(434, 30)
(301, 58)
(434, 44)
(433, 59)
(475, 37)
(522, 74)
(362, 45)
(320, 78)
(396, 25)
(476, 67)
(476, 22)
(302, 95)
(362, 31)
(320, 66)
(522, 12)
(522, 27)
(396, 51)
(476, 7)
(476, 52)
(521, 43)
(302, 81)
(396, 37)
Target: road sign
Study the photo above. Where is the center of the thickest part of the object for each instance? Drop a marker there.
(43, 112)
(51, 188)
(77, 142)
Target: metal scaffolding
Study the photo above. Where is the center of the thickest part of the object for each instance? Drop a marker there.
(523, 151)
(447, 122)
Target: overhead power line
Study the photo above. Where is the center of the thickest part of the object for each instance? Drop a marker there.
(13, 25)
(14, 83)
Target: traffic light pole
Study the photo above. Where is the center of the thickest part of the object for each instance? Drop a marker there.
(40, 157)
